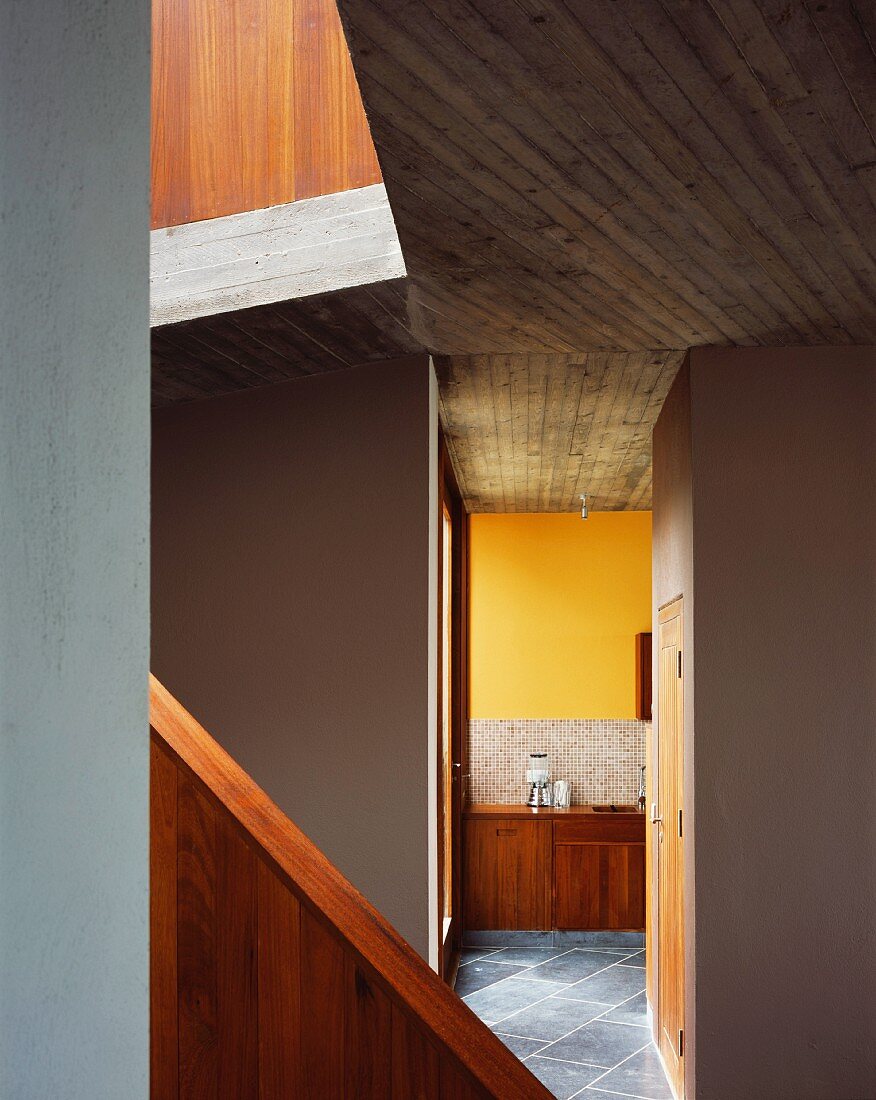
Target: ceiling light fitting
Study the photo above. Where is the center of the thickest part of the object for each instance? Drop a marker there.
(583, 506)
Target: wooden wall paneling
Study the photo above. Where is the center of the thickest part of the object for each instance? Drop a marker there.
(279, 989)
(208, 123)
(334, 150)
(196, 944)
(323, 1010)
(280, 170)
(254, 104)
(414, 1060)
(163, 1011)
(454, 1086)
(237, 963)
(287, 983)
(171, 131)
(258, 92)
(368, 1034)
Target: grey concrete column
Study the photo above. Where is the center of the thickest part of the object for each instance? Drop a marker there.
(74, 381)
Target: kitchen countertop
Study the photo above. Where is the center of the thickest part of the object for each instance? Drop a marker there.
(519, 810)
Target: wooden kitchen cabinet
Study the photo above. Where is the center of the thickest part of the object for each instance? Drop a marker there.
(599, 872)
(507, 874)
(573, 870)
(599, 886)
(643, 677)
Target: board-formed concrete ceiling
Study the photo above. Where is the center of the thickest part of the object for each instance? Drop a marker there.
(582, 190)
(531, 432)
(626, 174)
(208, 356)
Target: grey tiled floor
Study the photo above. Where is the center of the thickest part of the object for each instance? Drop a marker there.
(575, 1017)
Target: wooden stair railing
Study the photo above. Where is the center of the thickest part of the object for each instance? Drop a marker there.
(272, 978)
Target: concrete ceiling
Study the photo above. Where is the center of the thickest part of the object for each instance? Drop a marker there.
(581, 191)
(626, 174)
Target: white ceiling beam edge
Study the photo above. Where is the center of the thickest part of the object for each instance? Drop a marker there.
(312, 246)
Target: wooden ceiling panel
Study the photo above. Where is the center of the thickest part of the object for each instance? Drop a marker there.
(531, 432)
(624, 174)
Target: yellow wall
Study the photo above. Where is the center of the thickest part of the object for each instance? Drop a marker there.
(556, 602)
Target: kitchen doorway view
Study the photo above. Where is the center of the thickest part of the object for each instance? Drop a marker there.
(556, 809)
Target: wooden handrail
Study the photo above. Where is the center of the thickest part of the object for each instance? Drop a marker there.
(434, 1043)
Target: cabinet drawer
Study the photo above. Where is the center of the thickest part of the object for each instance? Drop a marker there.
(600, 827)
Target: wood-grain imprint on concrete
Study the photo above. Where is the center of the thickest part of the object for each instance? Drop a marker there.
(530, 433)
(626, 174)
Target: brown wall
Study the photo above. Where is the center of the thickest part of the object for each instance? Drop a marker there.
(291, 533)
(254, 103)
(783, 506)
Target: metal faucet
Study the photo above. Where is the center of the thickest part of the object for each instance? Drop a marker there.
(642, 789)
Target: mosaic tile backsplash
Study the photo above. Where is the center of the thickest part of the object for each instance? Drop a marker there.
(600, 757)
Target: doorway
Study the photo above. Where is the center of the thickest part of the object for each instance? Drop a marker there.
(452, 708)
(667, 816)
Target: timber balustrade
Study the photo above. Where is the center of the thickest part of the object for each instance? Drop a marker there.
(272, 978)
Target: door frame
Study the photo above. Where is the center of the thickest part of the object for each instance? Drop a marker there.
(449, 496)
(673, 1058)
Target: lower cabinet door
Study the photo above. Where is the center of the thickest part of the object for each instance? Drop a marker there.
(599, 886)
(507, 874)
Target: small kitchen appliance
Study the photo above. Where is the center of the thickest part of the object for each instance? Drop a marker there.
(538, 778)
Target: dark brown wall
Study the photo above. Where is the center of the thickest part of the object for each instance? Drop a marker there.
(783, 446)
(254, 103)
(290, 605)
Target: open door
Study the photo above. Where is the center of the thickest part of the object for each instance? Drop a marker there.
(668, 818)
(452, 710)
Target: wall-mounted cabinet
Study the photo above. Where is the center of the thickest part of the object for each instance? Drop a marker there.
(643, 676)
(537, 870)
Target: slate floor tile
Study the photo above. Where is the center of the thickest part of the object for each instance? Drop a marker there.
(495, 1002)
(563, 1079)
(520, 1046)
(633, 1011)
(610, 987)
(634, 960)
(469, 954)
(572, 966)
(478, 975)
(599, 1044)
(528, 956)
(550, 1019)
(641, 1075)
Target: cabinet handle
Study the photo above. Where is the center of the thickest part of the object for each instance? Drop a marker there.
(655, 820)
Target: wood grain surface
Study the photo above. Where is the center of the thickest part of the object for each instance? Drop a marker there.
(254, 104)
(285, 980)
